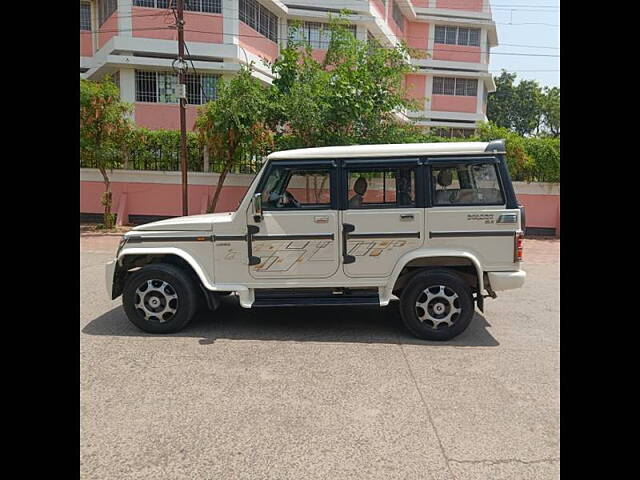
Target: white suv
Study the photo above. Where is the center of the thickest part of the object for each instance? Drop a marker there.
(435, 225)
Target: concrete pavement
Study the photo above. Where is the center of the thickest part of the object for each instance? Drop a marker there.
(321, 393)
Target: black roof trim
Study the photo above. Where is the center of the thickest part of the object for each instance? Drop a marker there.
(496, 146)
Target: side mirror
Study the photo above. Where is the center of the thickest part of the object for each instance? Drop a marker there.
(257, 207)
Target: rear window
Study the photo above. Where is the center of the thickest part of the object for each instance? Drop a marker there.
(466, 184)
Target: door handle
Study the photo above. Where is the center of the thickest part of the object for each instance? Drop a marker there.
(321, 219)
(347, 228)
(406, 217)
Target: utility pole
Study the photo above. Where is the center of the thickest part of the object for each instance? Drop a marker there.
(183, 101)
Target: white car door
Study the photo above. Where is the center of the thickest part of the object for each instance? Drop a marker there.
(297, 236)
(382, 220)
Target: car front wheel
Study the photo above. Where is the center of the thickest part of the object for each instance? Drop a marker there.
(160, 298)
(436, 305)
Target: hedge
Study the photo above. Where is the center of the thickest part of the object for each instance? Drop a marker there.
(531, 159)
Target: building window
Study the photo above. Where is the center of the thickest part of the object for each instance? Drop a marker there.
(450, 35)
(207, 6)
(397, 16)
(161, 87)
(85, 16)
(467, 87)
(315, 34)
(454, 132)
(259, 18)
(106, 9)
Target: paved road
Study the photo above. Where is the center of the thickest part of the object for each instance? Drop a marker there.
(321, 393)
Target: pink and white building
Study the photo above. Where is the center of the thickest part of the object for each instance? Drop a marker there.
(133, 41)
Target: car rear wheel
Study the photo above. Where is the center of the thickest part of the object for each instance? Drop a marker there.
(160, 298)
(436, 305)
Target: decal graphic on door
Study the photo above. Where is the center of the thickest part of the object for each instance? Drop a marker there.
(281, 256)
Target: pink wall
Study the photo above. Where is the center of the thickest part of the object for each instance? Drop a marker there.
(417, 35)
(471, 5)
(416, 87)
(86, 47)
(453, 103)
(163, 115)
(257, 43)
(110, 27)
(541, 210)
(379, 7)
(208, 25)
(420, 3)
(456, 53)
(157, 198)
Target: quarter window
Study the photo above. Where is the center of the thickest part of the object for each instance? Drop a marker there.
(288, 187)
(466, 184)
(450, 35)
(382, 187)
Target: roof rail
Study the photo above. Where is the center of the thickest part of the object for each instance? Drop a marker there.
(496, 146)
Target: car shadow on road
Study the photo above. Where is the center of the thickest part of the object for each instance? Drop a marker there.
(298, 324)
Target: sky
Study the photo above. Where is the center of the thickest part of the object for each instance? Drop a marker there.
(542, 14)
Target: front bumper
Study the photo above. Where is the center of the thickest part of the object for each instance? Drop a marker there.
(109, 271)
(506, 280)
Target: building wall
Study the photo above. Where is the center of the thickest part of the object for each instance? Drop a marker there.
(158, 116)
(108, 30)
(257, 43)
(228, 42)
(86, 44)
(452, 103)
(207, 26)
(469, 5)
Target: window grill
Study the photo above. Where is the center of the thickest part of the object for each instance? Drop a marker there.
(259, 18)
(148, 3)
(315, 34)
(106, 9)
(396, 13)
(161, 87)
(467, 87)
(85, 16)
(450, 35)
(146, 87)
(206, 6)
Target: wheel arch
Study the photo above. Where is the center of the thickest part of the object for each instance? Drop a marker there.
(412, 262)
(138, 257)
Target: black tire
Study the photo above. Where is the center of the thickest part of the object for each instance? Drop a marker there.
(167, 281)
(447, 293)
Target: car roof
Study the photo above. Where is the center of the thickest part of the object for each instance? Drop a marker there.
(394, 149)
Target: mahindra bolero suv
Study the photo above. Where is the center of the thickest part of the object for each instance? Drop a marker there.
(435, 226)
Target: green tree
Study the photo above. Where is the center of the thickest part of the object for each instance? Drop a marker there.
(352, 96)
(516, 107)
(551, 110)
(103, 125)
(233, 125)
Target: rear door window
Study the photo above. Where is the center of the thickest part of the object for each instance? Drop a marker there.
(466, 184)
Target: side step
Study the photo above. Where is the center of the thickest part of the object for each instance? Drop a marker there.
(315, 297)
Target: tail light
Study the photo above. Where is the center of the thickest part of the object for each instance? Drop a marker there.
(517, 247)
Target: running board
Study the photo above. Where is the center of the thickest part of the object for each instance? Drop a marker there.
(293, 298)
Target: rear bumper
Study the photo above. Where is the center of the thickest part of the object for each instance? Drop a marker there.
(109, 270)
(506, 280)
